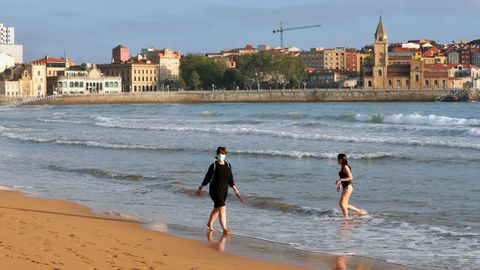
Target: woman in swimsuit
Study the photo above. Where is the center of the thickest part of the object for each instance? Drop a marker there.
(219, 176)
(347, 186)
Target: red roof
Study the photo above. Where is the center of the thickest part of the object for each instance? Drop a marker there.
(47, 59)
(400, 49)
(440, 66)
(435, 74)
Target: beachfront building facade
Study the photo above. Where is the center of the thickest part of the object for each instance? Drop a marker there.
(339, 59)
(83, 80)
(54, 65)
(409, 71)
(137, 74)
(168, 63)
(24, 80)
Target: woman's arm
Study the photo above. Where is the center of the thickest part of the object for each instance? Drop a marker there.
(207, 178)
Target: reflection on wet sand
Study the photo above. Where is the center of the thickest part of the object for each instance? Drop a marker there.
(220, 244)
(340, 263)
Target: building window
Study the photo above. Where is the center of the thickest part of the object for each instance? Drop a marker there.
(71, 84)
(390, 82)
(369, 83)
(444, 82)
(427, 82)
(398, 83)
(380, 73)
(417, 78)
(435, 82)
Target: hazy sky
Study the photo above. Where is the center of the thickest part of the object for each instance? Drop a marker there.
(88, 29)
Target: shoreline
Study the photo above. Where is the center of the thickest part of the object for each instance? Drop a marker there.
(64, 235)
(253, 96)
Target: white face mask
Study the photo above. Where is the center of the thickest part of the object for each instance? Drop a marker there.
(221, 157)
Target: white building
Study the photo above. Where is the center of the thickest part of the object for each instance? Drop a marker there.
(10, 88)
(7, 35)
(86, 79)
(8, 46)
(476, 84)
(6, 61)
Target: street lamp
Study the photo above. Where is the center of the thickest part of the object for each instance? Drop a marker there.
(304, 86)
(213, 87)
(258, 86)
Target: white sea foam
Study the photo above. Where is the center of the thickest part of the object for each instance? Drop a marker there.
(59, 121)
(248, 130)
(418, 119)
(304, 154)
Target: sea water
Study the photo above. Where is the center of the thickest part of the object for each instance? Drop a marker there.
(415, 168)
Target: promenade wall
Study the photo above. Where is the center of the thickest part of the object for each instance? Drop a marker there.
(309, 95)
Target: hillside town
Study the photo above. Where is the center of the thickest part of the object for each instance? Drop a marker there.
(415, 64)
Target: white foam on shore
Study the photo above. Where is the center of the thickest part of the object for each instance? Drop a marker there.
(6, 188)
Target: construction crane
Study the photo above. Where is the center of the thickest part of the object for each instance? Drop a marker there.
(281, 30)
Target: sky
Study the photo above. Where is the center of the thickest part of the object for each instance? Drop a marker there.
(89, 29)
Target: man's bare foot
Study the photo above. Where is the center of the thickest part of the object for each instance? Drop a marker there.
(210, 227)
(227, 232)
(362, 212)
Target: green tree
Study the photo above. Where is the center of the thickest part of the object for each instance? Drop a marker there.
(194, 80)
(232, 78)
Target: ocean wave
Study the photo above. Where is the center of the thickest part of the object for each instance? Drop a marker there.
(301, 154)
(242, 122)
(209, 114)
(102, 173)
(474, 132)
(60, 121)
(416, 119)
(289, 115)
(116, 145)
(399, 140)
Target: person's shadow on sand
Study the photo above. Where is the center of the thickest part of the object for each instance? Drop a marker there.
(220, 245)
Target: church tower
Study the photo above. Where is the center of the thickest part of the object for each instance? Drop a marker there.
(380, 48)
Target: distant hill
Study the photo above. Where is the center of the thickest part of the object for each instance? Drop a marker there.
(476, 41)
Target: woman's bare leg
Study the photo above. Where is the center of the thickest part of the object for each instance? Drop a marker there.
(213, 217)
(223, 219)
(344, 202)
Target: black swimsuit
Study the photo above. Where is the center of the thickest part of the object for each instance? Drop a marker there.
(219, 181)
(342, 175)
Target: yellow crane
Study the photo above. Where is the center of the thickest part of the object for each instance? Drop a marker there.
(281, 30)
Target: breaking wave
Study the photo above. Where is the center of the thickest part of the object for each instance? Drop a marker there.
(414, 119)
(102, 173)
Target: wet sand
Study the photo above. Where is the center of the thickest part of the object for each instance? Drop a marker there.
(40, 233)
(52, 234)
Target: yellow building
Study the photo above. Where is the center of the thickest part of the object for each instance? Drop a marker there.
(168, 63)
(25, 80)
(138, 75)
(55, 65)
(361, 61)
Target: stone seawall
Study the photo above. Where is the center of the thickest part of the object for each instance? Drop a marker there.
(324, 95)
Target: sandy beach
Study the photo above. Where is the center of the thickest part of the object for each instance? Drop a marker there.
(53, 234)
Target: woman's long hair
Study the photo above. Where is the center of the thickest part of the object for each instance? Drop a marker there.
(343, 158)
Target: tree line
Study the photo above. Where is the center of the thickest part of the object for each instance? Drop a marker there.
(260, 70)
